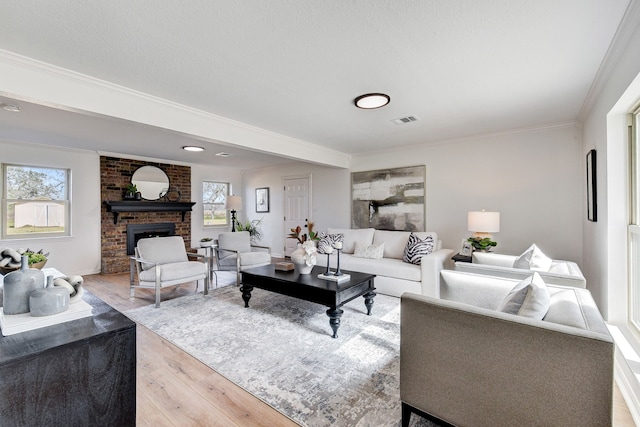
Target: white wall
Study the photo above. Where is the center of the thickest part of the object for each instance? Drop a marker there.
(80, 253)
(605, 241)
(533, 178)
(330, 193)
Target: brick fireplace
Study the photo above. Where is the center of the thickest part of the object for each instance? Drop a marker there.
(115, 174)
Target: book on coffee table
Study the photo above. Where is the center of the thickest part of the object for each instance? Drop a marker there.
(284, 266)
(339, 279)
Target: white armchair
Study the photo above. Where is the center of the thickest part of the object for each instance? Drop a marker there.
(163, 261)
(565, 273)
(234, 251)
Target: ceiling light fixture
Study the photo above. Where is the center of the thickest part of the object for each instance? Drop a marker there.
(192, 148)
(222, 154)
(372, 100)
(10, 107)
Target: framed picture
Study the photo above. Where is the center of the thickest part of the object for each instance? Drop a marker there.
(592, 194)
(466, 248)
(262, 199)
(389, 199)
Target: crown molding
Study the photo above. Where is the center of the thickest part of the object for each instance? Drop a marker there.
(629, 24)
(30, 80)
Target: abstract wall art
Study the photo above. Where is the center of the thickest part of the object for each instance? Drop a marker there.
(389, 199)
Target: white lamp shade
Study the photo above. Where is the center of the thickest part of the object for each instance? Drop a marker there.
(234, 203)
(484, 222)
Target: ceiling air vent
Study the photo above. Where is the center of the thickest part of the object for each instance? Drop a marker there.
(403, 120)
(223, 154)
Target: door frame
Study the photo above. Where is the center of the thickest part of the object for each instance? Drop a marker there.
(309, 177)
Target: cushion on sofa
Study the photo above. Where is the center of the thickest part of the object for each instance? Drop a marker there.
(351, 236)
(328, 240)
(529, 298)
(372, 251)
(388, 267)
(396, 241)
(416, 248)
(533, 259)
(565, 308)
(560, 268)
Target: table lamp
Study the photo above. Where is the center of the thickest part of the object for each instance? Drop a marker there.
(483, 223)
(234, 203)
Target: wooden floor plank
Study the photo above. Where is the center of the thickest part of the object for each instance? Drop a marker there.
(175, 389)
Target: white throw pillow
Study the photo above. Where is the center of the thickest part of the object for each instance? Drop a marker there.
(529, 298)
(373, 251)
(533, 259)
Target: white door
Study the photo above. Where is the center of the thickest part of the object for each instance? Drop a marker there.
(296, 208)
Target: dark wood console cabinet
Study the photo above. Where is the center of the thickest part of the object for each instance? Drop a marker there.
(78, 373)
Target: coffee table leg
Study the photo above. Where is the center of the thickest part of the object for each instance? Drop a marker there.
(368, 301)
(246, 294)
(334, 319)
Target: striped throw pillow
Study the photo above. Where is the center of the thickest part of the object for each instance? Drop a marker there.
(328, 240)
(417, 248)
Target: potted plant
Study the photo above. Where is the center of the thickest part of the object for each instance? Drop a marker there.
(205, 242)
(253, 227)
(130, 191)
(481, 244)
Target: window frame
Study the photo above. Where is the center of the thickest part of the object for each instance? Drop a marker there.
(633, 229)
(6, 202)
(227, 216)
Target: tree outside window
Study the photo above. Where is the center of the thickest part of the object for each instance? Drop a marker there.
(36, 202)
(214, 200)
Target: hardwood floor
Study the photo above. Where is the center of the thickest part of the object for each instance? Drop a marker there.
(175, 389)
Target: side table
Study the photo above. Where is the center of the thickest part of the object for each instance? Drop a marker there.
(461, 258)
(210, 253)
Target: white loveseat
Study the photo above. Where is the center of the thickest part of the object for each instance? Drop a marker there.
(565, 273)
(464, 362)
(393, 275)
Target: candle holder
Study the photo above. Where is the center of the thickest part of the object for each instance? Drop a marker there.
(338, 272)
(328, 272)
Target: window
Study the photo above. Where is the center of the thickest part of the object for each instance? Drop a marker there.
(634, 223)
(35, 202)
(214, 200)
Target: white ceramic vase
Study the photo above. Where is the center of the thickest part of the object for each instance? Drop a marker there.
(304, 257)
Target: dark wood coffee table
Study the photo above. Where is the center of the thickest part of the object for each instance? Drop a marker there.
(309, 288)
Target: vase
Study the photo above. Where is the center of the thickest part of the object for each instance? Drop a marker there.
(49, 300)
(302, 261)
(18, 285)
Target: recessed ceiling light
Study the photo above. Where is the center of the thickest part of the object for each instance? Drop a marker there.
(10, 107)
(192, 148)
(372, 100)
(223, 154)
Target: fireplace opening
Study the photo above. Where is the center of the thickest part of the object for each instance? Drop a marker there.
(136, 232)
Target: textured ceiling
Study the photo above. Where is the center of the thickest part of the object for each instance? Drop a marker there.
(293, 67)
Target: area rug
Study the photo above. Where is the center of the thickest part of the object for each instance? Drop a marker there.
(280, 350)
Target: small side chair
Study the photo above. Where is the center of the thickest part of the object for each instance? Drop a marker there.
(164, 261)
(234, 251)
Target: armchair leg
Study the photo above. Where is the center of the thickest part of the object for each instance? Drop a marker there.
(157, 286)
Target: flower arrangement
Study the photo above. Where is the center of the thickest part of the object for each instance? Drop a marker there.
(310, 251)
(295, 233)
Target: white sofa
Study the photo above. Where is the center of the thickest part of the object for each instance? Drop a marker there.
(565, 273)
(466, 363)
(393, 275)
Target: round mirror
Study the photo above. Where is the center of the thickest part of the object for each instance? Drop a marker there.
(152, 182)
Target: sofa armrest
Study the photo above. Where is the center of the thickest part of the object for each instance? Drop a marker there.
(431, 266)
(473, 366)
(576, 281)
